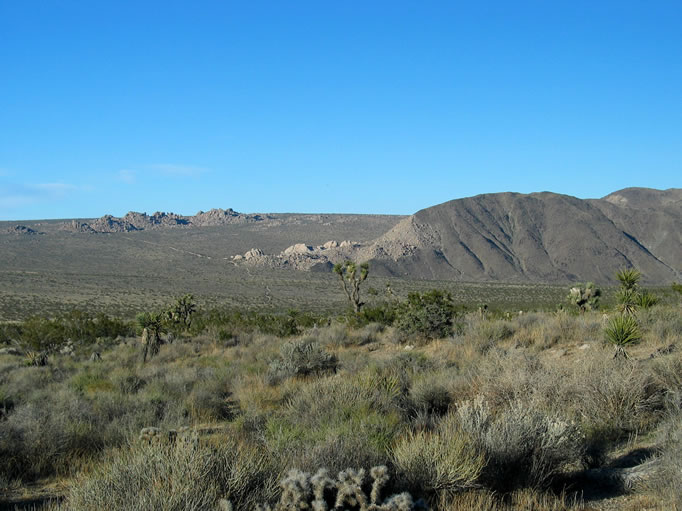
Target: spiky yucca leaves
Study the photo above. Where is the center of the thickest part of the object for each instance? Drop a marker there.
(622, 331)
(627, 301)
(628, 278)
(36, 358)
(646, 300)
(585, 297)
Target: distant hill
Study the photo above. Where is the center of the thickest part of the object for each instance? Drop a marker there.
(504, 237)
(539, 237)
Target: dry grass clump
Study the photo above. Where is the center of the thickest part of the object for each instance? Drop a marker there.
(614, 398)
(176, 477)
(337, 422)
(446, 460)
(526, 500)
(523, 446)
(666, 481)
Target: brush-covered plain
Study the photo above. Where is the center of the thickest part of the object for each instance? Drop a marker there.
(490, 410)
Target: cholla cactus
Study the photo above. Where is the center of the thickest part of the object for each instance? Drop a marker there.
(349, 489)
(381, 477)
(321, 482)
(296, 491)
(300, 491)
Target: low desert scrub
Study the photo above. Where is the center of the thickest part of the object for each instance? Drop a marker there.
(526, 500)
(336, 422)
(303, 357)
(446, 460)
(523, 446)
(176, 477)
(492, 417)
(666, 481)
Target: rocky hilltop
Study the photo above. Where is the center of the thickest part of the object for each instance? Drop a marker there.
(134, 221)
(538, 237)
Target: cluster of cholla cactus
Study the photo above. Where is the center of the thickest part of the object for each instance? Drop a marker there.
(180, 436)
(322, 493)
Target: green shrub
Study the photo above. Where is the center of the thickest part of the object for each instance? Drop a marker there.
(430, 315)
(300, 358)
(337, 422)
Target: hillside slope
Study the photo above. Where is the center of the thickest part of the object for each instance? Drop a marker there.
(540, 237)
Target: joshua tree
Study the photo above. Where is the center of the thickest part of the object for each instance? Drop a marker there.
(181, 311)
(151, 324)
(351, 280)
(585, 298)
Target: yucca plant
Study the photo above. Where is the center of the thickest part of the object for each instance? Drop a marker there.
(628, 278)
(622, 331)
(36, 358)
(628, 300)
(646, 299)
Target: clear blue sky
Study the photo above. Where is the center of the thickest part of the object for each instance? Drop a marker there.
(321, 106)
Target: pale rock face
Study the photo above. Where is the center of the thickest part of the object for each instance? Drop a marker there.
(299, 248)
(330, 244)
(253, 253)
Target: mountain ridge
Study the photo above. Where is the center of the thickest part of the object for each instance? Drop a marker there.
(498, 237)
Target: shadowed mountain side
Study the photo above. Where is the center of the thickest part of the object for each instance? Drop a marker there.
(540, 237)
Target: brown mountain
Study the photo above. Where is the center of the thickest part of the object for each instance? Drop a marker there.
(541, 237)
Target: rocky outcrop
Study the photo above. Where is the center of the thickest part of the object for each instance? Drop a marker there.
(22, 229)
(134, 221)
(303, 257)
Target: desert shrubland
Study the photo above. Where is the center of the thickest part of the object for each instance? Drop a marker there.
(487, 410)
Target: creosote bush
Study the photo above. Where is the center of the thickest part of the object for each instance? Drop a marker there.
(430, 315)
(303, 357)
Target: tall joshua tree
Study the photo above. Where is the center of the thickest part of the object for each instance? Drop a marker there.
(181, 311)
(351, 280)
(151, 323)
